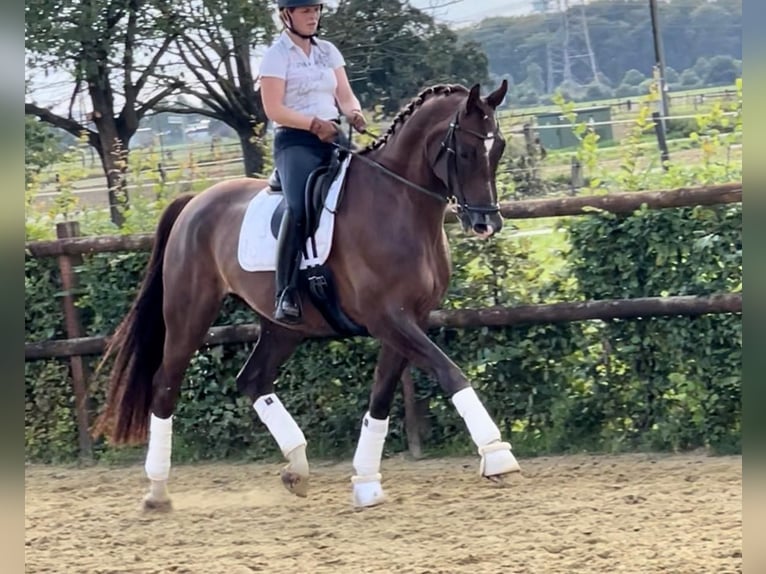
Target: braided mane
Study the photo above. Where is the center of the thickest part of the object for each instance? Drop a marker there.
(411, 107)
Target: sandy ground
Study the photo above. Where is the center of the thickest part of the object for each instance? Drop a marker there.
(633, 513)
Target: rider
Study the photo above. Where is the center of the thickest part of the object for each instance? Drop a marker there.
(303, 86)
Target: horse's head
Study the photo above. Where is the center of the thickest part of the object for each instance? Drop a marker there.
(464, 154)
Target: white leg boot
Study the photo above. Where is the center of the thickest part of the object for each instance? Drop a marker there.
(157, 464)
(369, 451)
(290, 439)
(496, 456)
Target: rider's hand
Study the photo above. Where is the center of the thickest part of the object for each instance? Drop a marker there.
(356, 118)
(325, 130)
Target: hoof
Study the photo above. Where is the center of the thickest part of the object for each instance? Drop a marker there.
(150, 504)
(367, 492)
(295, 483)
(497, 460)
(498, 480)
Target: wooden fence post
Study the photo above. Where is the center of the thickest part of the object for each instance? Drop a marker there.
(659, 128)
(529, 139)
(576, 180)
(67, 263)
(411, 422)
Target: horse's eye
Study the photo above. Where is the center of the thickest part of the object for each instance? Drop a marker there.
(467, 153)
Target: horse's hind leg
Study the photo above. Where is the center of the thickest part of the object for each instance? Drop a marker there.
(256, 380)
(188, 315)
(367, 490)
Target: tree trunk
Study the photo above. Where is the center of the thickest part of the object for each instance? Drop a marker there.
(252, 152)
(113, 152)
(112, 143)
(114, 160)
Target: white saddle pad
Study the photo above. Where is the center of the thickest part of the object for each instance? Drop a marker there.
(257, 245)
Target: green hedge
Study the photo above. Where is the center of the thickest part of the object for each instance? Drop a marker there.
(659, 384)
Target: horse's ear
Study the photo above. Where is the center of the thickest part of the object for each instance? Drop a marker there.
(473, 100)
(496, 97)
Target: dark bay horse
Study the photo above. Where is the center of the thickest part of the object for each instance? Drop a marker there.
(391, 264)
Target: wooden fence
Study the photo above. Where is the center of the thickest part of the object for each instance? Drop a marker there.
(69, 248)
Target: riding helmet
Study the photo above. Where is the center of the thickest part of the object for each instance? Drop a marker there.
(298, 3)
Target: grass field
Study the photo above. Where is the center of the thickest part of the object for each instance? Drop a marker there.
(680, 102)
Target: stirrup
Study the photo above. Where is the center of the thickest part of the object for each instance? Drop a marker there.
(292, 314)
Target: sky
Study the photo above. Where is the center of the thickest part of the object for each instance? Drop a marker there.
(54, 88)
(458, 13)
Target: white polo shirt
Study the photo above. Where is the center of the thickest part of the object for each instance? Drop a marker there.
(309, 80)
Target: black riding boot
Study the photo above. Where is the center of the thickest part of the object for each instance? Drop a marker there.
(288, 306)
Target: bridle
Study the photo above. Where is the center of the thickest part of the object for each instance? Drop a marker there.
(448, 150)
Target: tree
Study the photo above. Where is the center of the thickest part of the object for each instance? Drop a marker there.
(621, 37)
(109, 48)
(671, 76)
(701, 67)
(722, 71)
(689, 78)
(215, 53)
(596, 91)
(633, 78)
(626, 91)
(393, 50)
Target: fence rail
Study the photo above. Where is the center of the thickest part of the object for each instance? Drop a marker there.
(458, 318)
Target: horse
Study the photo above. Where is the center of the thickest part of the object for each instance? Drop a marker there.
(390, 262)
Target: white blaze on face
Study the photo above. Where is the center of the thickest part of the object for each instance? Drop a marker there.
(488, 143)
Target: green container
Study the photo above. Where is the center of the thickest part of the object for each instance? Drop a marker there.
(563, 137)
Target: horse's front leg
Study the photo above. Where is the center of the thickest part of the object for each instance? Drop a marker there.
(408, 338)
(367, 489)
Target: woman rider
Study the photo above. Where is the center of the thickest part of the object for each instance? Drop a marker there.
(303, 86)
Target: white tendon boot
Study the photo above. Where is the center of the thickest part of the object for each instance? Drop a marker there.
(157, 465)
(290, 439)
(496, 456)
(369, 451)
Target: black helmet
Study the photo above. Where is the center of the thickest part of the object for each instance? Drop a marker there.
(298, 3)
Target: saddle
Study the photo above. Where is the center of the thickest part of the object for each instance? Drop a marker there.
(318, 279)
(317, 187)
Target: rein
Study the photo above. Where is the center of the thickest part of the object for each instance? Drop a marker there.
(387, 171)
(448, 146)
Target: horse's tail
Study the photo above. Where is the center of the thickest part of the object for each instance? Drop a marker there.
(137, 345)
